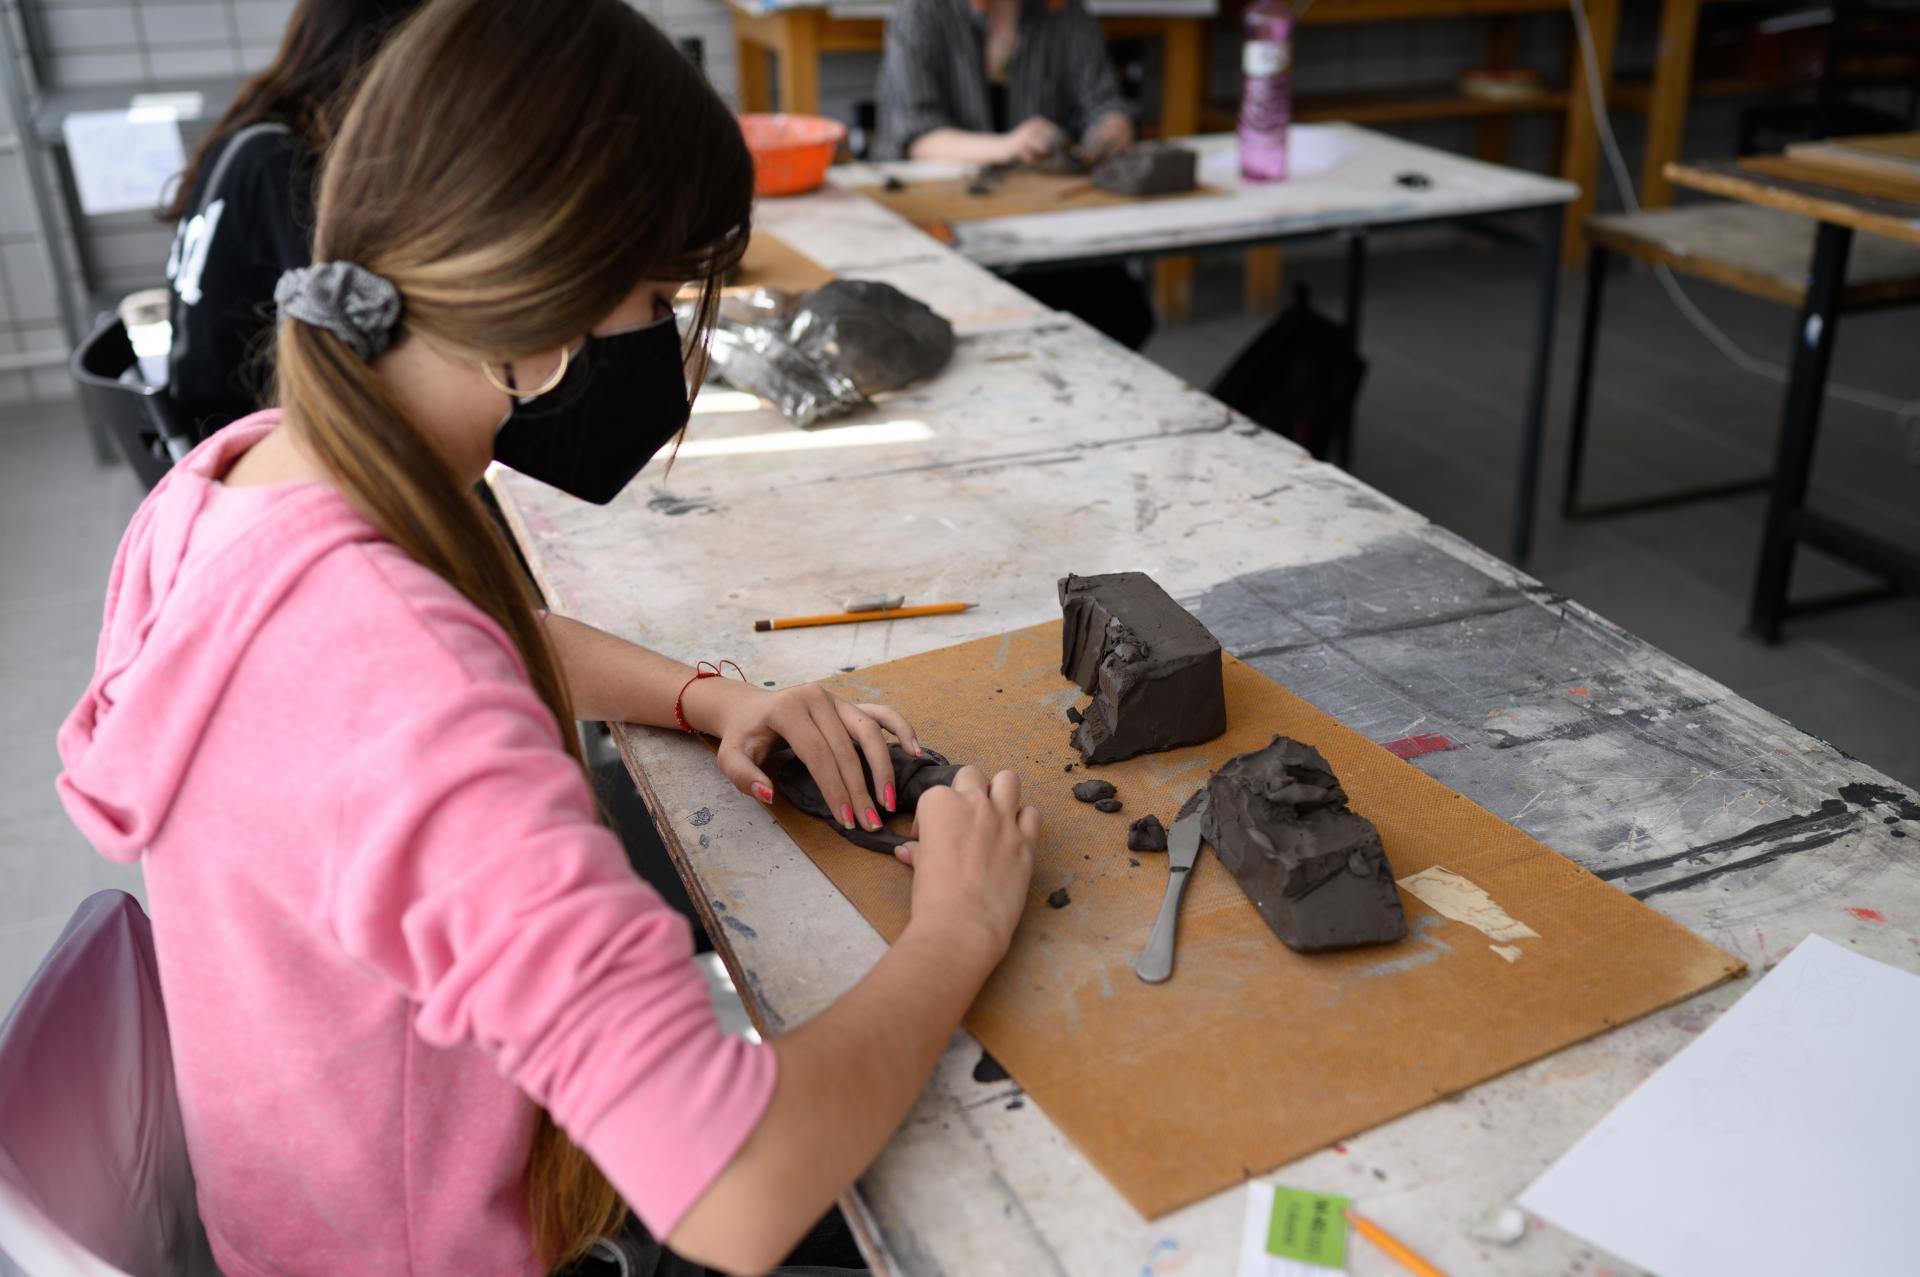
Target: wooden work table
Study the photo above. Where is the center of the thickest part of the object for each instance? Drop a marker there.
(1045, 449)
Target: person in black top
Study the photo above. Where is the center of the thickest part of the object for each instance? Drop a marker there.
(244, 207)
(1012, 82)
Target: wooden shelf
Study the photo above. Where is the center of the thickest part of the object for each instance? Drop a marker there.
(1399, 105)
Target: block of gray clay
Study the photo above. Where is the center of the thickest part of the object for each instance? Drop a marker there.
(1151, 168)
(1147, 834)
(1278, 820)
(1153, 671)
(912, 777)
(1108, 805)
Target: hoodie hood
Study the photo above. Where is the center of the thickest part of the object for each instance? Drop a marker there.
(181, 612)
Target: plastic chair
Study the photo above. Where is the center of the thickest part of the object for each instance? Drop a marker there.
(94, 1178)
(140, 416)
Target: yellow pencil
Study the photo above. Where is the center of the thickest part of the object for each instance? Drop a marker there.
(1393, 1246)
(848, 618)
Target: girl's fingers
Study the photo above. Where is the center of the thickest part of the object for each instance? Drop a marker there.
(737, 767)
(1030, 824)
(811, 748)
(873, 743)
(1005, 793)
(904, 852)
(968, 781)
(894, 721)
(826, 718)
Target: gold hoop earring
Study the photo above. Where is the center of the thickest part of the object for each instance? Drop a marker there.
(566, 357)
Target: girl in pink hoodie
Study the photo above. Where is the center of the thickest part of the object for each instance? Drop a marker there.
(425, 1019)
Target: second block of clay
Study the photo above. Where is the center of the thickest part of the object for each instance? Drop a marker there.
(1278, 819)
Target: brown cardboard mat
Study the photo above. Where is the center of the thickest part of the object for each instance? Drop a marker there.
(1017, 194)
(1251, 1055)
(771, 262)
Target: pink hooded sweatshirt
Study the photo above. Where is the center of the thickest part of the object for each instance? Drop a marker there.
(388, 923)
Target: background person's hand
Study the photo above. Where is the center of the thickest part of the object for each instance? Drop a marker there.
(1107, 136)
(828, 734)
(1034, 140)
(972, 859)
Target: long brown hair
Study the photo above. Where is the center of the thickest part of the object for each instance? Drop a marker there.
(326, 46)
(515, 170)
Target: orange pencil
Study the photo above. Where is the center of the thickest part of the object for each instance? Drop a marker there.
(848, 618)
(1393, 1246)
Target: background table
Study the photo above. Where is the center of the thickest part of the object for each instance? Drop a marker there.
(1346, 181)
(1045, 449)
(1799, 189)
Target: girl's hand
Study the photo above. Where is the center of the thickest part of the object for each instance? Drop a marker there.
(822, 729)
(972, 860)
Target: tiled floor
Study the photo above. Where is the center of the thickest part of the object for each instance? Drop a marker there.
(1447, 330)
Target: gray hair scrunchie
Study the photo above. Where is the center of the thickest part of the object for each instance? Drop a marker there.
(348, 300)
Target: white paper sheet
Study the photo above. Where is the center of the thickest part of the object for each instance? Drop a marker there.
(1781, 1142)
(123, 160)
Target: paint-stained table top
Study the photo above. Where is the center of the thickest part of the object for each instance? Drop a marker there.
(1342, 177)
(1045, 449)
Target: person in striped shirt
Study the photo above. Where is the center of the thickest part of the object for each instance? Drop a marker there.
(1012, 82)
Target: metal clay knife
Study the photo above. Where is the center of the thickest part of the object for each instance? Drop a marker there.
(1183, 848)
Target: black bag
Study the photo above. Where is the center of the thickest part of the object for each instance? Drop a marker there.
(1299, 378)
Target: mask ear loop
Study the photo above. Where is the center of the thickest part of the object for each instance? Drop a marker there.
(566, 357)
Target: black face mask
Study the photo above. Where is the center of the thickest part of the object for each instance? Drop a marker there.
(622, 398)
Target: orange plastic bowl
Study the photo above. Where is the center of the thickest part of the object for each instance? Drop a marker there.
(790, 152)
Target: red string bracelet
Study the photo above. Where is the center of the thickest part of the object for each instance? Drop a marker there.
(705, 669)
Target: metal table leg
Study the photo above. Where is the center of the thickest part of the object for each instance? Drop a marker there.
(1597, 260)
(1356, 289)
(1534, 427)
(1806, 391)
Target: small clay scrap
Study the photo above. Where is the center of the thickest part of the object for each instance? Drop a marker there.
(1059, 898)
(1147, 834)
(912, 777)
(1278, 820)
(1092, 791)
(1150, 168)
(1153, 671)
(1108, 805)
(988, 1069)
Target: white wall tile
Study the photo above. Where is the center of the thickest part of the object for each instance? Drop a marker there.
(188, 64)
(29, 281)
(261, 20)
(180, 24)
(85, 70)
(80, 30)
(17, 214)
(255, 57)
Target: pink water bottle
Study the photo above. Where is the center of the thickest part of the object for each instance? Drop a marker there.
(1266, 95)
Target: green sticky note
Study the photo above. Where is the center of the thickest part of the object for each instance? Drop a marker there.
(1309, 1227)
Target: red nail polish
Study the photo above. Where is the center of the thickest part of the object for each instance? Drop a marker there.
(763, 792)
(890, 802)
(846, 816)
(873, 818)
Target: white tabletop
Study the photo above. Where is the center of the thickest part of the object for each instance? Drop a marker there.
(1342, 177)
(1045, 449)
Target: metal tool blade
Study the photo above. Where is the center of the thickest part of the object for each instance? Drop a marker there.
(1183, 848)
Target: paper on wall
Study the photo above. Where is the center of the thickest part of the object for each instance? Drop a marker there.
(1779, 1142)
(123, 160)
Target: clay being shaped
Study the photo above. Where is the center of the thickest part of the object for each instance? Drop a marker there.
(1153, 671)
(1278, 819)
(912, 777)
(1150, 168)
